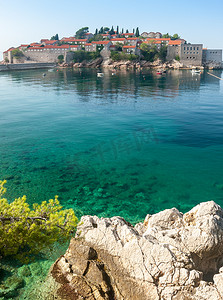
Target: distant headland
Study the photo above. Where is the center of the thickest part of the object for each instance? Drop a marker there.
(113, 48)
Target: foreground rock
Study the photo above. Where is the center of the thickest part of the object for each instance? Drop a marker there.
(169, 256)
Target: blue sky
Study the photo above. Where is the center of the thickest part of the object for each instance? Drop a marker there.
(28, 21)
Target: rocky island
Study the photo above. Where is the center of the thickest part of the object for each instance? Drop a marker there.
(86, 49)
(169, 256)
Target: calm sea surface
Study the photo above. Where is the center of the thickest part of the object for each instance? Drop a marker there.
(127, 145)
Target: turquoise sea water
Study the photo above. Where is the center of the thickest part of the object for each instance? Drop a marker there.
(130, 144)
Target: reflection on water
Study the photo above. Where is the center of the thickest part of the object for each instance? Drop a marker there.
(128, 144)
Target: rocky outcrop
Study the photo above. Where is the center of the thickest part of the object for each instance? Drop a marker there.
(169, 256)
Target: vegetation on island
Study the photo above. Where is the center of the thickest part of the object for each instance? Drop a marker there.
(60, 59)
(172, 37)
(25, 230)
(118, 56)
(17, 53)
(55, 37)
(151, 52)
(79, 56)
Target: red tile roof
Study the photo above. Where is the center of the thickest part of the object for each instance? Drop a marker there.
(127, 33)
(158, 39)
(133, 39)
(88, 44)
(176, 42)
(51, 42)
(10, 49)
(74, 46)
(101, 42)
(119, 39)
(128, 46)
(52, 47)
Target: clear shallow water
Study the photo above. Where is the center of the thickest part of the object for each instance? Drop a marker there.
(128, 145)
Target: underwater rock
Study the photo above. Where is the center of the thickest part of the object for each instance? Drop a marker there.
(169, 256)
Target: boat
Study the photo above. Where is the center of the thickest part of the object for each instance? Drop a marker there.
(196, 71)
(100, 74)
(161, 72)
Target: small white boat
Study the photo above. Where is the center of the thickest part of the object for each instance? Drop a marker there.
(100, 74)
(196, 71)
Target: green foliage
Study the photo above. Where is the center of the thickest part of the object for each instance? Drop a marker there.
(137, 32)
(80, 34)
(106, 29)
(150, 52)
(17, 53)
(55, 37)
(6, 60)
(177, 57)
(60, 59)
(80, 56)
(175, 37)
(97, 37)
(112, 31)
(117, 56)
(117, 30)
(166, 36)
(25, 231)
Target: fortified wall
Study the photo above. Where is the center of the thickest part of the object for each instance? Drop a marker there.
(46, 55)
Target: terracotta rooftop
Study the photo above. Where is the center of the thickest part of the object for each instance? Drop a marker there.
(128, 46)
(100, 42)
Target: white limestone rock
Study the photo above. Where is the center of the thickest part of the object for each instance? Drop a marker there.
(169, 256)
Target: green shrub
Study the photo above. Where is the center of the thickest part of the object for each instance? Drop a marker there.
(117, 56)
(26, 231)
(80, 56)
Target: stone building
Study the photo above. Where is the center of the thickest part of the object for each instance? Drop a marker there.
(132, 41)
(131, 49)
(212, 57)
(49, 53)
(174, 49)
(191, 54)
(99, 45)
(188, 54)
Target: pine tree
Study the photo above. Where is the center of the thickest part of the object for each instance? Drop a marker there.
(137, 32)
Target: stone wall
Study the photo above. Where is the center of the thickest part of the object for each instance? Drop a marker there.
(212, 58)
(172, 52)
(26, 66)
(191, 54)
(46, 55)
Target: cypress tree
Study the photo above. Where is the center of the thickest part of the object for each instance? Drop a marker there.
(96, 31)
(137, 32)
(112, 30)
(133, 30)
(117, 30)
(127, 31)
(122, 30)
